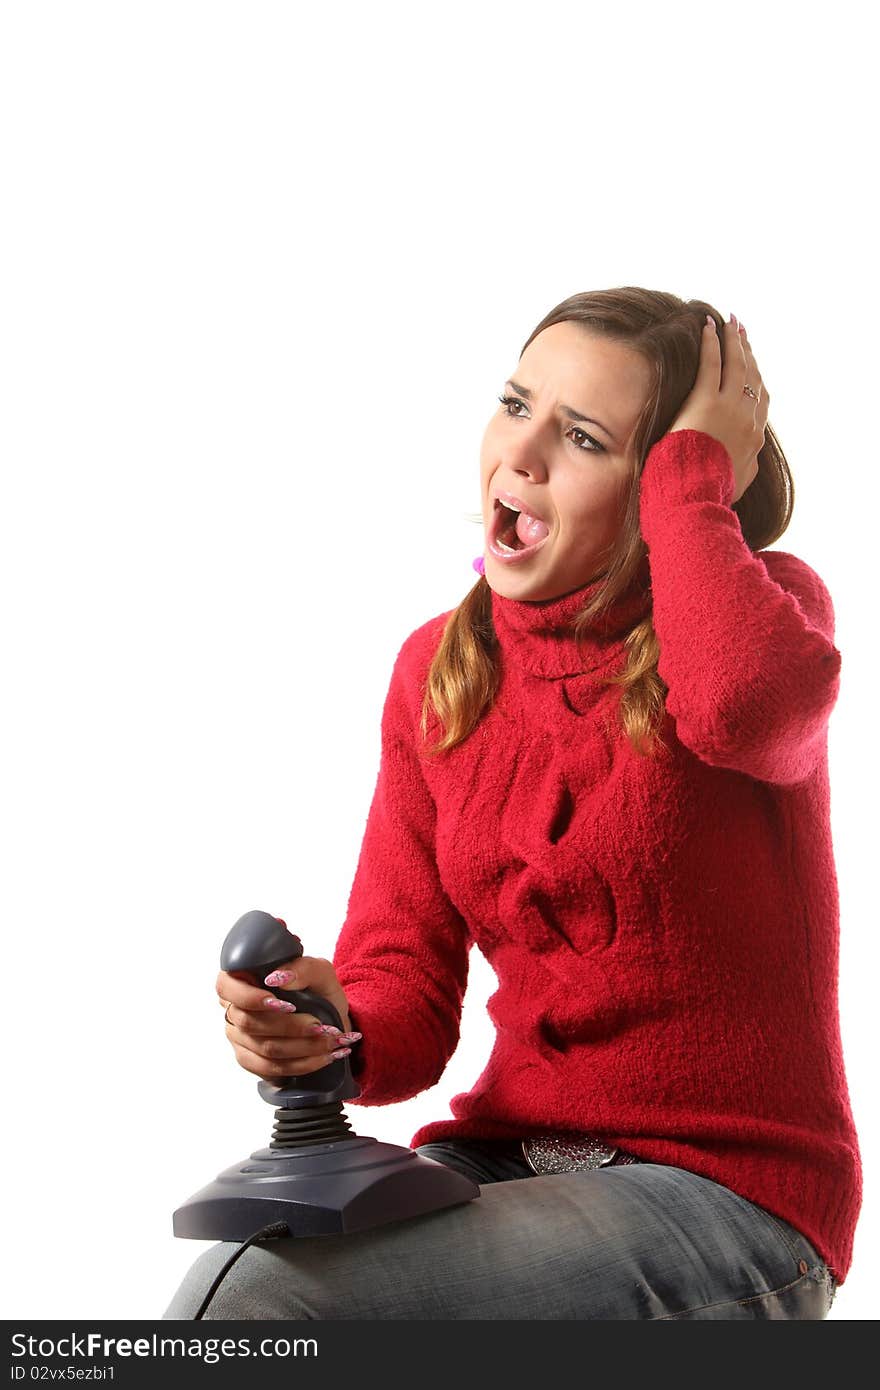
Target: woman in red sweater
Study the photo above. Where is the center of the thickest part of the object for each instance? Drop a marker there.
(607, 769)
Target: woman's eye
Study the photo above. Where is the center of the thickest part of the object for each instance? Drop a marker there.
(597, 448)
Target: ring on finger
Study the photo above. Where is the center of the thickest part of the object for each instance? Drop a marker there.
(226, 1015)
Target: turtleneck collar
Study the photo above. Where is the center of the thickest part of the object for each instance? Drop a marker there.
(536, 636)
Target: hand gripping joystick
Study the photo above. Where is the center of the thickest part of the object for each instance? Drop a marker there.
(316, 1176)
(260, 943)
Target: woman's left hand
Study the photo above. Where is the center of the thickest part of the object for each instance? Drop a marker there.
(719, 406)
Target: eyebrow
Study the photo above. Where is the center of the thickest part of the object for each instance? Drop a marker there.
(566, 410)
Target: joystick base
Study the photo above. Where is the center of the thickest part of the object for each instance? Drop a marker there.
(321, 1189)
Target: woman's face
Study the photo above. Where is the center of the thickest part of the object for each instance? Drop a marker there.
(572, 474)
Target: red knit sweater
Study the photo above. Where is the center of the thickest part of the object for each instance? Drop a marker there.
(664, 932)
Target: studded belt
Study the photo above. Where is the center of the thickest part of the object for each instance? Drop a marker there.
(567, 1153)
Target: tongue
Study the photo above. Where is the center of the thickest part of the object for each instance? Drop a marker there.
(530, 530)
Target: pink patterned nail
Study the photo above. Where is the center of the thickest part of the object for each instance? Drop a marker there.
(280, 978)
(343, 1052)
(272, 1003)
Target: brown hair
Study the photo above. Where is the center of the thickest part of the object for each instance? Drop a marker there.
(463, 676)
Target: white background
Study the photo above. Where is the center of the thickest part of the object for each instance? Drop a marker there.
(265, 269)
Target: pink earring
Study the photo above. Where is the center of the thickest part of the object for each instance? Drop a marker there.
(479, 565)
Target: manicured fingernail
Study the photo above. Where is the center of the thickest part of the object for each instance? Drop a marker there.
(280, 977)
(742, 329)
(343, 1052)
(350, 1037)
(326, 1028)
(710, 323)
(272, 1003)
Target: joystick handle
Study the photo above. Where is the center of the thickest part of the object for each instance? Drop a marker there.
(261, 943)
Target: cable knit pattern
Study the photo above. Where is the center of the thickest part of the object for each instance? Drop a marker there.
(664, 932)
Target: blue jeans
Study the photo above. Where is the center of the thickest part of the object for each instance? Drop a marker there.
(624, 1242)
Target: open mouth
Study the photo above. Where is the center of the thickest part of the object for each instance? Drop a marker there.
(512, 532)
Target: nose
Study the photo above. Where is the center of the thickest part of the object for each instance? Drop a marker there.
(525, 454)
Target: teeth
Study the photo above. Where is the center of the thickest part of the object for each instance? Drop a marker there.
(507, 549)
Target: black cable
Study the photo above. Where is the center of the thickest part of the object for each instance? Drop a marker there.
(277, 1228)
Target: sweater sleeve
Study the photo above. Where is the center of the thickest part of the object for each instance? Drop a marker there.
(402, 953)
(746, 639)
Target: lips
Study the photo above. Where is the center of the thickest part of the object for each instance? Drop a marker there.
(520, 528)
